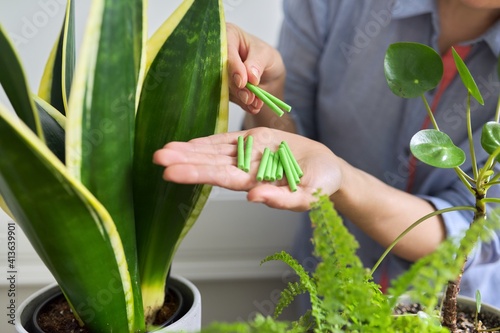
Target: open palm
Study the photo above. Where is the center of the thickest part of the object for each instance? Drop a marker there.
(212, 160)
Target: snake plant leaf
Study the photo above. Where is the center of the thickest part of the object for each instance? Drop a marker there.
(100, 124)
(15, 85)
(53, 124)
(435, 148)
(3, 206)
(56, 80)
(184, 96)
(490, 137)
(70, 230)
(466, 77)
(411, 69)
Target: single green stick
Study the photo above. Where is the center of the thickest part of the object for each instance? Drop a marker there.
(263, 164)
(276, 100)
(269, 167)
(279, 169)
(299, 171)
(288, 169)
(275, 166)
(248, 153)
(241, 153)
(265, 99)
(290, 159)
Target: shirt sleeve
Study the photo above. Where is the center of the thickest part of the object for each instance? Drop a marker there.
(304, 28)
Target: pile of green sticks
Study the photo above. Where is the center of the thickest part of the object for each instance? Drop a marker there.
(273, 166)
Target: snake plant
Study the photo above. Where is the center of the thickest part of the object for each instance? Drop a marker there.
(76, 169)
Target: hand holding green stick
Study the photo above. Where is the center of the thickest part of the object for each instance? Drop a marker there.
(274, 103)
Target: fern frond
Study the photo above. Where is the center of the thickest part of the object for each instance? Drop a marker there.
(287, 296)
(260, 324)
(420, 322)
(306, 281)
(349, 296)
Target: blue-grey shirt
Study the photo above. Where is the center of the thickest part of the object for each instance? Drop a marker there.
(333, 51)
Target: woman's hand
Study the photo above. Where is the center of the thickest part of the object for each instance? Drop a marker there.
(212, 160)
(252, 60)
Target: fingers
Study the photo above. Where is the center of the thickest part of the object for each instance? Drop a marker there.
(280, 197)
(168, 157)
(262, 137)
(226, 176)
(248, 58)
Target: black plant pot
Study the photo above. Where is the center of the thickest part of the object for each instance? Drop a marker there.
(186, 318)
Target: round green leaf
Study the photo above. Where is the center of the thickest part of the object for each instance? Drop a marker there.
(411, 69)
(467, 78)
(490, 137)
(435, 148)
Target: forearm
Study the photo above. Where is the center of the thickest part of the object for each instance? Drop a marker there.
(384, 212)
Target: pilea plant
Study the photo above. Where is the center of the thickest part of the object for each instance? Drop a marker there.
(343, 296)
(76, 169)
(412, 69)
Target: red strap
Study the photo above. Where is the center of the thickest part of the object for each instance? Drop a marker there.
(449, 73)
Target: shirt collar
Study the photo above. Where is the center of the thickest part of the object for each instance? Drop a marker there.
(492, 38)
(408, 8)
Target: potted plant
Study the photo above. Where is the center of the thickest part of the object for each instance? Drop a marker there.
(343, 296)
(76, 172)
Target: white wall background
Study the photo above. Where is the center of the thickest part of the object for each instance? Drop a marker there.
(222, 252)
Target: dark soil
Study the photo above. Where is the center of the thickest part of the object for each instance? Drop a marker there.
(57, 317)
(465, 318)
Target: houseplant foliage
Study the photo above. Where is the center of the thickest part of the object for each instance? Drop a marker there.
(343, 296)
(76, 171)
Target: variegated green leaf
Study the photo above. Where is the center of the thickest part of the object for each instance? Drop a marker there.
(70, 230)
(15, 85)
(53, 126)
(56, 80)
(184, 96)
(100, 126)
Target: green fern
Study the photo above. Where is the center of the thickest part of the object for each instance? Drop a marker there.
(427, 277)
(292, 290)
(349, 296)
(344, 297)
(260, 324)
(420, 322)
(306, 282)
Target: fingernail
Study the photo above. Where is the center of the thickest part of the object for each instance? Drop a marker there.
(255, 72)
(243, 95)
(237, 80)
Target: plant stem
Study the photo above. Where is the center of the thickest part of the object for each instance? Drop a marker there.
(450, 300)
(450, 303)
(471, 139)
(497, 114)
(492, 200)
(407, 230)
(429, 113)
(465, 178)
